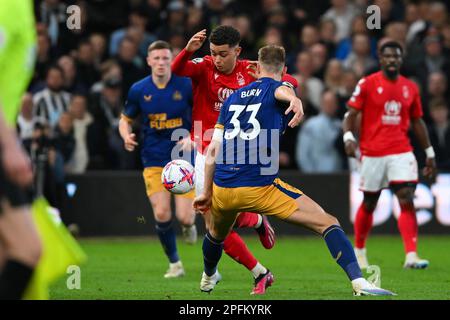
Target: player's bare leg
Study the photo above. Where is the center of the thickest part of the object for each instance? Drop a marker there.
(363, 225)
(313, 217)
(160, 202)
(22, 250)
(407, 224)
(186, 216)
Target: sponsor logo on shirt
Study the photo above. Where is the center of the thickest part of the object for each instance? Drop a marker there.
(392, 111)
(405, 92)
(222, 95)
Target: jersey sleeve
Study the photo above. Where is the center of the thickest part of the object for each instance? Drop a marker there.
(184, 67)
(416, 107)
(220, 124)
(131, 109)
(359, 95)
(289, 80)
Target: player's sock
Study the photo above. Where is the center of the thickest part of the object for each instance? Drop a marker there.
(248, 220)
(167, 237)
(407, 224)
(212, 251)
(258, 270)
(363, 224)
(236, 248)
(342, 251)
(14, 279)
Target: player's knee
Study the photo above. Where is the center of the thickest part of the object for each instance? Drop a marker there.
(370, 204)
(186, 220)
(406, 198)
(162, 214)
(327, 221)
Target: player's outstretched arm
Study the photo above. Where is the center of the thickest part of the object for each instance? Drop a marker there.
(126, 132)
(15, 162)
(287, 94)
(349, 126)
(182, 65)
(421, 132)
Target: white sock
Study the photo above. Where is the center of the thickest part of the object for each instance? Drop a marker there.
(258, 269)
(176, 264)
(411, 256)
(258, 224)
(361, 251)
(359, 282)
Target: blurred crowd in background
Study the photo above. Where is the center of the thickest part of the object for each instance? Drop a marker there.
(70, 114)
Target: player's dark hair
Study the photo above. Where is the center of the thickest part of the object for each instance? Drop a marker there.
(391, 44)
(225, 35)
(159, 44)
(272, 58)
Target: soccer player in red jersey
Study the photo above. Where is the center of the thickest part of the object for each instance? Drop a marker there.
(214, 79)
(389, 105)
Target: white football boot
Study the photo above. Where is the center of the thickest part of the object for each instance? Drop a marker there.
(189, 234)
(175, 270)
(412, 261)
(361, 257)
(207, 283)
(362, 287)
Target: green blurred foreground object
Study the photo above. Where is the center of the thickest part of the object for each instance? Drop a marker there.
(59, 251)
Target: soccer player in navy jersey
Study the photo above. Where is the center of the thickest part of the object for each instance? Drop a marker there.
(238, 177)
(164, 101)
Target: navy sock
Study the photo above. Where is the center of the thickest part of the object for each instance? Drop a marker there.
(14, 279)
(212, 251)
(167, 237)
(342, 251)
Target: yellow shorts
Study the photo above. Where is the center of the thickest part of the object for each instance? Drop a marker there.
(277, 199)
(153, 184)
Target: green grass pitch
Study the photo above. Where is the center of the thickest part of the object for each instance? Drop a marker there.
(303, 269)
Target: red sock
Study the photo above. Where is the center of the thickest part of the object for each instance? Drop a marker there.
(407, 224)
(363, 224)
(246, 220)
(235, 247)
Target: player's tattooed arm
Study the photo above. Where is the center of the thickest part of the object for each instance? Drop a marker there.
(420, 130)
(287, 94)
(126, 132)
(349, 126)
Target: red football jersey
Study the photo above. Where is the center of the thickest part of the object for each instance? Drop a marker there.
(210, 89)
(387, 107)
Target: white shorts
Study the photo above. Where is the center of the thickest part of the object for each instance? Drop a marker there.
(380, 172)
(200, 161)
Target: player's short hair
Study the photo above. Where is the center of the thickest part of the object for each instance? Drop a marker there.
(159, 44)
(225, 35)
(272, 58)
(390, 44)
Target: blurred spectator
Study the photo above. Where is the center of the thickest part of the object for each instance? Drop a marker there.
(358, 26)
(25, 121)
(82, 121)
(43, 58)
(212, 12)
(85, 64)
(108, 69)
(319, 55)
(153, 9)
(316, 150)
(341, 12)
(360, 60)
(53, 14)
(137, 22)
(72, 83)
(194, 21)
(244, 26)
(327, 31)
(313, 86)
(348, 84)
(439, 131)
(397, 31)
(176, 17)
(130, 63)
(98, 43)
(333, 76)
(64, 145)
(52, 101)
(105, 107)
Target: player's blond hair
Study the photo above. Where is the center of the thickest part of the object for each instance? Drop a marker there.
(159, 44)
(272, 58)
